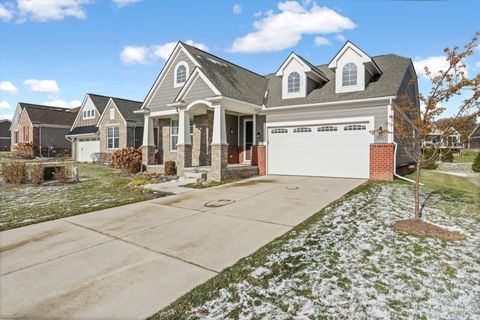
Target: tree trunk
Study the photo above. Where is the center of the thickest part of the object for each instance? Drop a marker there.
(417, 192)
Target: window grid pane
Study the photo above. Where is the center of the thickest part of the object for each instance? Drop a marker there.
(294, 82)
(181, 74)
(349, 75)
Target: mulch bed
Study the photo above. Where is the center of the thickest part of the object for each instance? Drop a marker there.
(422, 228)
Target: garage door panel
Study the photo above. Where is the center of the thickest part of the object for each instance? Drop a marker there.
(338, 153)
(86, 148)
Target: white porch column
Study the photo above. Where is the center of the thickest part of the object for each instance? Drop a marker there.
(254, 125)
(148, 131)
(184, 145)
(183, 128)
(148, 145)
(219, 145)
(219, 128)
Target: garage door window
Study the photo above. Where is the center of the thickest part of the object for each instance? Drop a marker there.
(279, 130)
(355, 127)
(298, 130)
(327, 128)
(113, 137)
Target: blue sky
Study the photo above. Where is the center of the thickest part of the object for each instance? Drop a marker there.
(56, 51)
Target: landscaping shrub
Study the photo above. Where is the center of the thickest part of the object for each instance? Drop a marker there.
(62, 174)
(428, 153)
(101, 157)
(170, 168)
(14, 172)
(26, 150)
(128, 159)
(476, 163)
(37, 173)
(447, 157)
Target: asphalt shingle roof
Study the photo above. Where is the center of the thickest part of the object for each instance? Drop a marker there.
(231, 80)
(83, 130)
(40, 114)
(127, 108)
(393, 68)
(99, 101)
(239, 83)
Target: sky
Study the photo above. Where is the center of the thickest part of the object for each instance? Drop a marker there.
(55, 51)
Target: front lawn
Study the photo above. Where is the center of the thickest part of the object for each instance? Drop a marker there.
(347, 262)
(467, 157)
(103, 188)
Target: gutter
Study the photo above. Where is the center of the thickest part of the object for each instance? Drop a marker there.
(390, 111)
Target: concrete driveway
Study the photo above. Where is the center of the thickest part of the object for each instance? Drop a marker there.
(131, 261)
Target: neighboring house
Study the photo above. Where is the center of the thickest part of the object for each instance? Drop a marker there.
(103, 125)
(302, 120)
(5, 137)
(44, 126)
(436, 138)
(474, 138)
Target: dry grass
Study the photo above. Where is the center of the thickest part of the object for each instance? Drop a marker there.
(423, 228)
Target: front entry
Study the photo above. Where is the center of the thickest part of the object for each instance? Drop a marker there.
(247, 138)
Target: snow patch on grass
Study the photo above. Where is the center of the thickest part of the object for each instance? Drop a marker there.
(350, 264)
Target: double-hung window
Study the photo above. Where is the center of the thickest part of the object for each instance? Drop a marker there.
(173, 134)
(113, 137)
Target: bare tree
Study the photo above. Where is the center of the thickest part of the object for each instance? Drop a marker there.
(412, 126)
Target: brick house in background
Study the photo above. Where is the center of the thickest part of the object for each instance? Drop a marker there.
(103, 125)
(5, 137)
(44, 126)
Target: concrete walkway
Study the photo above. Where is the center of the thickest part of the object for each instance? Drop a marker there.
(131, 261)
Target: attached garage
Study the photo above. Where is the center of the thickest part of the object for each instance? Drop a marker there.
(86, 147)
(326, 149)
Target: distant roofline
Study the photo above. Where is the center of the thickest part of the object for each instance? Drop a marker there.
(44, 106)
(112, 97)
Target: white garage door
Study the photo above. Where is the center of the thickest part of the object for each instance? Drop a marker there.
(328, 150)
(85, 149)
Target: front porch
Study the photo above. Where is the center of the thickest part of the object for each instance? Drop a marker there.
(216, 139)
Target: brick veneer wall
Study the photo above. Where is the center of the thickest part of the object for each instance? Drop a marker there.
(233, 155)
(381, 161)
(258, 158)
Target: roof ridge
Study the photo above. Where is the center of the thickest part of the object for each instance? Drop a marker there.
(127, 99)
(225, 60)
(44, 106)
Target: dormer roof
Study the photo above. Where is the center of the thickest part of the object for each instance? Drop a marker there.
(365, 58)
(308, 67)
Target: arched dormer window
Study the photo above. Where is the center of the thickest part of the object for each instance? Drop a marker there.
(293, 82)
(349, 75)
(181, 74)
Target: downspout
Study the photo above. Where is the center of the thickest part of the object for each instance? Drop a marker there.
(390, 111)
(40, 138)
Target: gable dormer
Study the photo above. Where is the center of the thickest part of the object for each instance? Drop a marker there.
(354, 69)
(298, 77)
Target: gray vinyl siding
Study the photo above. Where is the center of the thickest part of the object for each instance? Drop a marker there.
(166, 92)
(310, 85)
(199, 90)
(231, 122)
(380, 114)
(412, 91)
(54, 137)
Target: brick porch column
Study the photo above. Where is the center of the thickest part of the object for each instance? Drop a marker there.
(148, 145)
(219, 146)
(382, 161)
(184, 145)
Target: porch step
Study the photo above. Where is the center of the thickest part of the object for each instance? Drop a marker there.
(157, 168)
(196, 172)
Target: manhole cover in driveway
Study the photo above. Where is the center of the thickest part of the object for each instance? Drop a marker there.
(218, 203)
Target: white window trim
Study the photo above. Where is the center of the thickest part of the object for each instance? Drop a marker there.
(288, 82)
(356, 75)
(113, 126)
(171, 135)
(92, 111)
(181, 63)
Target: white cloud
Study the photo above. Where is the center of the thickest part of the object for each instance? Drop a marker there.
(237, 9)
(258, 13)
(477, 64)
(124, 3)
(340, 37)
(45, 86)
(5, 13)
(132, 54)
(321, 41)
(45, 10)
(6, 116)
(4, 105)
(284, 29)
(63, 104)
(143, 54)
(7, 86)
(434, 64)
